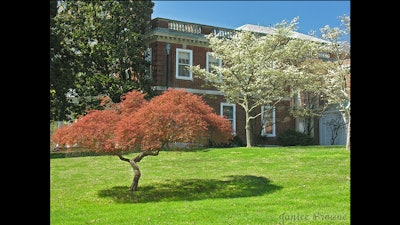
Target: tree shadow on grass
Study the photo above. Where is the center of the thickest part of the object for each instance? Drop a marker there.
(193, 189)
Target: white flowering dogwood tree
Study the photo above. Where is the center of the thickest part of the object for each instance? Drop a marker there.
(257, 69)
(337, 89)
(260, 69)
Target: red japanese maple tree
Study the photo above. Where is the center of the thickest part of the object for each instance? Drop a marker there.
(175, 116)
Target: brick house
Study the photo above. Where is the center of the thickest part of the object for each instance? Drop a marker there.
(172, 45)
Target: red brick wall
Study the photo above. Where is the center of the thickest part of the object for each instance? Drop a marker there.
(284, 121)
(159, 65)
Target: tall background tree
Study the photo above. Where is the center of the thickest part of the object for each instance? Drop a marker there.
(326, 81)
(61, 73)
(256, 69)
(308, 87)
(338, 84)
(96, 49)
(146, 126)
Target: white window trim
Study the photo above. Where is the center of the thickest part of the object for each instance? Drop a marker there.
(222, 104)
(177, 64)
(273, 123)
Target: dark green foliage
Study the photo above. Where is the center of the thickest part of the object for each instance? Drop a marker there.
(92, 43)
(63, 154)
(61, 75)
(236, 141)
(292, 138)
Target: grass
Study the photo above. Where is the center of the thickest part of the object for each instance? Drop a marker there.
(276, 185)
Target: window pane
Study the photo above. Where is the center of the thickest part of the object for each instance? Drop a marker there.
(228, 112)
(184, 61)
(212, 61)
(210, 68)
(268, 128)
(183, 71)
(184, 56)
(268, 120)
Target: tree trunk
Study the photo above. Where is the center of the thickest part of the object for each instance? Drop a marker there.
(135, 182)
(348, 133)
(249, 143)
(133, 162)
(347, 120)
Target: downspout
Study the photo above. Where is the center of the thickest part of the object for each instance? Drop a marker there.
(167, 50)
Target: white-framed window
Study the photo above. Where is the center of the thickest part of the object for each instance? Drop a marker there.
(184, 58)
(229, 111)
(268, 121)
(212, 61)
(296, 103)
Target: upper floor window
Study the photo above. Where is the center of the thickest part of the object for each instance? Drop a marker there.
(212, 61)
(184, 58)
(268, 121)
(324, 56)
(229, 111)
(296, 100)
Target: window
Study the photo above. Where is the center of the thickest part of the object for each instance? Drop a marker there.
(184, 58)
(268, 121)
(212, 61)
(296, 103)
(325, 56)
(229, 111)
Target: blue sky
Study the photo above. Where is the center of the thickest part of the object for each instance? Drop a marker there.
(313, 15)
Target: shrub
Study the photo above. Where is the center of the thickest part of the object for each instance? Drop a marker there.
(236, 141)
(292, 138)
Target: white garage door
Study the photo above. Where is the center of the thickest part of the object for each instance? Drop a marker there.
(332, 129)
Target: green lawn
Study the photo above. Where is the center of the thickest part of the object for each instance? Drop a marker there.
(275, 185)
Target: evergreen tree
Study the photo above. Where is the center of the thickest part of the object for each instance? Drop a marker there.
(96, 49)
